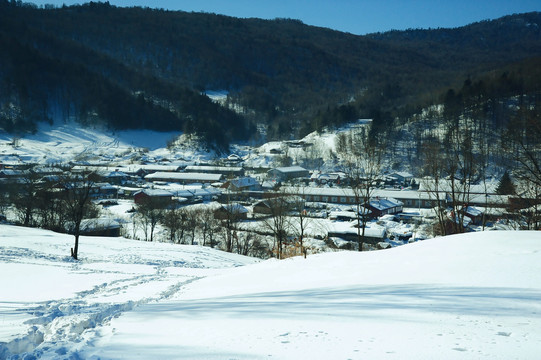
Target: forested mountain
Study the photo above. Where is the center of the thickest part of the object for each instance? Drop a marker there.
(146, 68)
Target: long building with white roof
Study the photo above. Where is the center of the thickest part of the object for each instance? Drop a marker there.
(184, 178)
(410, 198)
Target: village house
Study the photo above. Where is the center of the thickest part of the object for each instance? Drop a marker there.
(246, 183)
(11, 174)
(380, 207)
(100, 227)
(262, 207)
(278, 203)
(475, 214)
(402, 178)
(231, 211)
(233, 159)
(97, 190)
(115, 177)
(373, 234)
(275, 151)
(47, 170)
(198, 194)
(149, 194)
(287, 173)
(327, 178)
(104, 191)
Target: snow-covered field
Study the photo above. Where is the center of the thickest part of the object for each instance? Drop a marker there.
(471, 296)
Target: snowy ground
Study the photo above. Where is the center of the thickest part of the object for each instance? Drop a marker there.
(470, 297)
(51, 305)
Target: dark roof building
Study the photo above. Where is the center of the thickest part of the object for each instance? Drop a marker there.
(286, 173)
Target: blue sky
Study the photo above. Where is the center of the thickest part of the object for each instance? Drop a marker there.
(354, 16)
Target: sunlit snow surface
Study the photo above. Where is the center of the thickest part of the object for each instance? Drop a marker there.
(469, 297)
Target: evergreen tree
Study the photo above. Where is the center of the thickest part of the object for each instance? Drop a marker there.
(506, 186)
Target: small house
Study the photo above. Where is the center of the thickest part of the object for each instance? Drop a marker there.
(287, 173)
(275, 151)
(104, 191)
(100, 227)
(246, 183)
(373, 234)
(262, 207)
(475, 214)
(380, 207)
(231, 211)
(115, 177)
(327, 178)
(149, 194)
(402, 178)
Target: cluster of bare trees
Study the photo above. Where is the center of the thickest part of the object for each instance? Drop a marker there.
(59, 203)
(525, 138)
(198, 225)
(452, 165)
(465, 149)
(284, 223)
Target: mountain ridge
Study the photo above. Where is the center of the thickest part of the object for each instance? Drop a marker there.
(282, 73)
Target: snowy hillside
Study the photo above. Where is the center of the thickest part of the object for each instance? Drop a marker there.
(469, 297)
(61, 143)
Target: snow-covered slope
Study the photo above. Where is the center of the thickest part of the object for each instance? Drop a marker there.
(65, 142)
(47, 300)
(469, 297)
(60, 143)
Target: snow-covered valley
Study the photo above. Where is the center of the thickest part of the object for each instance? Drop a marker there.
(468, 296)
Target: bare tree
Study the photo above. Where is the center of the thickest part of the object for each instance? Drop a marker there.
(279, 221)
(301, 218)
(151, 211)
(528, 205)
(76, 194)
(526, 135)
(173, 220)
(362, 159)
(4, 198)
(192, 222)
(231, 213)
(433, 183)
(284, 159)
(23, 194)
(208, 226)
(462, 169)
(50, 208)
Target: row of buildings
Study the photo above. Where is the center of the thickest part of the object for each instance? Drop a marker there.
(230, 183)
